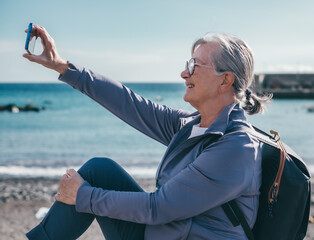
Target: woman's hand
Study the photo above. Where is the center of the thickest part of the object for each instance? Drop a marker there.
(69, 184)
(49, 57)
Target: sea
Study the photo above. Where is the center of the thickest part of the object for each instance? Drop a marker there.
(73, 129)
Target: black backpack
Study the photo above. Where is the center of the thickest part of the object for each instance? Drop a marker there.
(284, 202)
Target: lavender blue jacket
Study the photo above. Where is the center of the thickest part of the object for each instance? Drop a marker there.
(194, 179)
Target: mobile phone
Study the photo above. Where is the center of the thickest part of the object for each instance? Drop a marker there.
(30, 39)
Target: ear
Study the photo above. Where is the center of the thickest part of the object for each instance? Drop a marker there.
(227, 81)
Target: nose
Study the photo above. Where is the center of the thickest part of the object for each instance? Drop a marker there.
(185, 74)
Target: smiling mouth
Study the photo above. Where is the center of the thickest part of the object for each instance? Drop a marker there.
(190, 85)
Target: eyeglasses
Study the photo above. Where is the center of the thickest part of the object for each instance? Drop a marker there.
(190, 65)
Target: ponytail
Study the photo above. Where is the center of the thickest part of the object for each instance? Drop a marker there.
(252, 103)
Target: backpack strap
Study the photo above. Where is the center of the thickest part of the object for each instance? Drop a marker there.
(235, 215)
(259, 134)
(231, 209)
(263, 137)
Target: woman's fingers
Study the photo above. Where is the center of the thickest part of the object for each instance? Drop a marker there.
(71, 172)
(40, 59)
(42, 32)
(33, 58)
(46, 40)
(28, 56)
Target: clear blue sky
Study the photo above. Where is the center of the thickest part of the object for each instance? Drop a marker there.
(149, 41)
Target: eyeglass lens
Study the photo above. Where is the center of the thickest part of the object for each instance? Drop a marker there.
(190, 65)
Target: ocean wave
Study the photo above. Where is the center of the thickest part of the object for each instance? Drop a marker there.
(57, 172)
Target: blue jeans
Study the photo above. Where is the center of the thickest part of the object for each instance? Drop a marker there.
(64, 222)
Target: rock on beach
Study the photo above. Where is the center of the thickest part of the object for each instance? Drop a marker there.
(16, 109)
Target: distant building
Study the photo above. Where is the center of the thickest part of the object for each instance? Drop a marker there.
(288, 85)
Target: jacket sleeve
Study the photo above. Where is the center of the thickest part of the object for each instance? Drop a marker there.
(156, 121)
(219, 174)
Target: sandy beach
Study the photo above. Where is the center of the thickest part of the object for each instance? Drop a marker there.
(20, 200)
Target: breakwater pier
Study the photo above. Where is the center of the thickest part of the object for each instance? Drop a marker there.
(285, 85)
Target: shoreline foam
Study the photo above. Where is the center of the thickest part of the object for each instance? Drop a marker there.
(18, 171)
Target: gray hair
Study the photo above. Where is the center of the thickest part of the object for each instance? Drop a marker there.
(235, 56)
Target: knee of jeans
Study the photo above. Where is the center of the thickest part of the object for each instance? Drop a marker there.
(97, 164)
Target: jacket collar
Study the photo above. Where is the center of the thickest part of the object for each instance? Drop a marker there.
(228, 115)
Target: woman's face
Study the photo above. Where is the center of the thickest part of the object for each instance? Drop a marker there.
(203, 85)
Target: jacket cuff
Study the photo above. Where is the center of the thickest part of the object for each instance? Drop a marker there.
(84, 197)
(71, 75)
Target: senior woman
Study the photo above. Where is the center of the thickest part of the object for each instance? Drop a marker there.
(202, 168)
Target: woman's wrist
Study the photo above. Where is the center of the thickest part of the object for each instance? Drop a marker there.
(61, 66)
